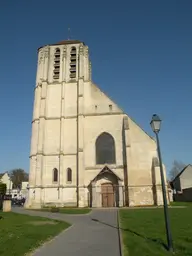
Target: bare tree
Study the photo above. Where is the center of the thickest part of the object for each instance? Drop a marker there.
(17, 177)
(176, 169)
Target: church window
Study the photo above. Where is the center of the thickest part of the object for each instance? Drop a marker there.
(56, 70)
(110, 107)
(55, 175)
(105, 149)
(69, 175)
(73, 59)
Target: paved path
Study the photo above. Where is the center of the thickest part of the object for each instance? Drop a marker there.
(92, 234)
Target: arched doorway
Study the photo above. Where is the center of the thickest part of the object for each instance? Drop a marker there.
(108, 195)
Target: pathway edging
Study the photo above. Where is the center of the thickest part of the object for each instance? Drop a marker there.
(120, 235)
(36, 250)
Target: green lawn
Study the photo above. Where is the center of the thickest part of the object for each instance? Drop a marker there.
(19, 234)
(67, 210)
(188, 204)
(144, 231)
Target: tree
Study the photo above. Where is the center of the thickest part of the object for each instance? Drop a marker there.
(176, 169)
(3, 188)
(18, 176)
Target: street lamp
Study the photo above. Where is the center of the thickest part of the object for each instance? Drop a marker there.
(156, 125)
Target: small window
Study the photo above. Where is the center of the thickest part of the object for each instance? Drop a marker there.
(110, 107)
(55, 175)
(69, 175)
(95, 107)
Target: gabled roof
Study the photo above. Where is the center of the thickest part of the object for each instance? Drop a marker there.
(181, 172)
(106, 169)
(3, 173)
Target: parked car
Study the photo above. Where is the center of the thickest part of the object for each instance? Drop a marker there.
(18, 201)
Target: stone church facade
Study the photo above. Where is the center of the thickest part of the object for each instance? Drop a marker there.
(85, 151)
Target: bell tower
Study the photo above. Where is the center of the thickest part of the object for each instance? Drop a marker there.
(63, 71)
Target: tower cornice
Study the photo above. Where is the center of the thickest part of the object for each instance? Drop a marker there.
(64, 42)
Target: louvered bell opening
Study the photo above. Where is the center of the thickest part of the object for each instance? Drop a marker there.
(57, 69)
(57, 58)
(73, 61)
(73, 74)
(56, 76)
(73, 57)
(73, 51)
(73, 68)
(57, 64)
(57, 51)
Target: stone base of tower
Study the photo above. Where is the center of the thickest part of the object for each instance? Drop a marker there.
(33, 200)
(66, 197)
(33, 206)
(146, 196)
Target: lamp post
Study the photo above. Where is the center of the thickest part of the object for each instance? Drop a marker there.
(156, 125)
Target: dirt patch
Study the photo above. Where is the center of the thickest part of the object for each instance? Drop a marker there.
(38, 223)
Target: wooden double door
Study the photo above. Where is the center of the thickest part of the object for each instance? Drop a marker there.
(108, 195)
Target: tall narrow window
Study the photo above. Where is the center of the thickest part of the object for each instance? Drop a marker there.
(55, 175)
(105, 149)
(73, 59)
(56, 70)
(69, 175)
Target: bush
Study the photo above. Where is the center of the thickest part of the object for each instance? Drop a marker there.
(54, 209)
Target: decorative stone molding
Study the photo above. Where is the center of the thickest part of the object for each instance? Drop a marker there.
(84, 114)
(40, 56)
(81, 49)
(64, 53)
(39, 85)
(90, 70)
(46, 52)
(57, 186)
(86, 51)
(99, 167)
(126, 122)
(52, 154)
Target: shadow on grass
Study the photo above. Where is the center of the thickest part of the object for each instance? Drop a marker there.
(155, 240)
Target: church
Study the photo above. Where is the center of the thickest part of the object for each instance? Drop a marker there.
(85, 150)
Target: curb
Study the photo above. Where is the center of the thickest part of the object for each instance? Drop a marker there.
(121, 251)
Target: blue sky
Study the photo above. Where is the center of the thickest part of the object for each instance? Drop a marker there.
(141, 54)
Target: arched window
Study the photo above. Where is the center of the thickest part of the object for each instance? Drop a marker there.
(69, 175)
(55, 175)
(73, 59)
(105, 149)
(56, 70)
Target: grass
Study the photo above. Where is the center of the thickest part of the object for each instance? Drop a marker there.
(188, 204)
(20, 234)
(144, 234)
(67, 210)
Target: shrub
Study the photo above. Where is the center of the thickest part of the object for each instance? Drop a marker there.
(54, 209)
